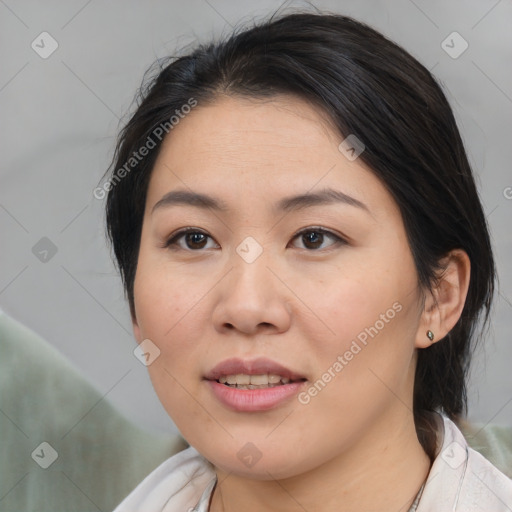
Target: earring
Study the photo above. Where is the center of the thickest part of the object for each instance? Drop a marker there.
(430, 335)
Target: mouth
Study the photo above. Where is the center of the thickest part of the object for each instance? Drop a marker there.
(262, 381)
(260, 372)
(253, 385)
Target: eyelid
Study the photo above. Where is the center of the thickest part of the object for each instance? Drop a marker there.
(339, 239)
(173, 238)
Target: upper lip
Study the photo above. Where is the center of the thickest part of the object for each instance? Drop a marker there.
(259, 366)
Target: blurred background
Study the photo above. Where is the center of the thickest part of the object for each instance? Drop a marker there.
(69, 74)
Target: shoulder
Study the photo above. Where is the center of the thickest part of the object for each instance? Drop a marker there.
(177, 484)
(462, 480)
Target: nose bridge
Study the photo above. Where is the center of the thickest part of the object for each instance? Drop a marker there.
(251, 277)
(251, 296)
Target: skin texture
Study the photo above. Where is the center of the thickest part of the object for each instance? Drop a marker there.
(353, 446)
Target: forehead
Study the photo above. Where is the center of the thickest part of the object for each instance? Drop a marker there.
(238, 146)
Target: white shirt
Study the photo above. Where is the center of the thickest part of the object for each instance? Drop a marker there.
(460, 480)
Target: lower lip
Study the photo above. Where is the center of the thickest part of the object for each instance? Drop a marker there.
(253, 400)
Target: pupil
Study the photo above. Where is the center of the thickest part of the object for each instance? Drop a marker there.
(195, 239)
(313, 238)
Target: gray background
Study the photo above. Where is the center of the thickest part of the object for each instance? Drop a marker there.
(60, 116)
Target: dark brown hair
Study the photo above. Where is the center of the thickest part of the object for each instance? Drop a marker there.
(367, 86)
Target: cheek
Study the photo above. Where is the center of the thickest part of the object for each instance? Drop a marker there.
(169, 314)
(348, 300)
(368, 317)
(165, 298)
(174, 321)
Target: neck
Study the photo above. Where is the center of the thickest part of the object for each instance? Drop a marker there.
(383, 471)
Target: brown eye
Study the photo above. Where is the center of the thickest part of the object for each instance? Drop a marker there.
(189, 239)
(195, 240)
(315, 238)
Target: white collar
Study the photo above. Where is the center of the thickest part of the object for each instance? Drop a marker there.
(462, 480)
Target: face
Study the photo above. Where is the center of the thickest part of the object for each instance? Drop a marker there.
(284, 299)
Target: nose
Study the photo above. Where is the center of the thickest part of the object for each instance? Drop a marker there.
(252, 300)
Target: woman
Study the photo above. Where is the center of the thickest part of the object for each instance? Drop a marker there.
(306, 260)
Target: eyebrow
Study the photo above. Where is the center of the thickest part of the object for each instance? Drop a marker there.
(287, 204)
(187, 198)
(323, 197)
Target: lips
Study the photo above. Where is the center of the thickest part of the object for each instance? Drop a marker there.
(260, 366)
(228, 384)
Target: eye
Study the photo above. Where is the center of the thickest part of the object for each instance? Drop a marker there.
(192, 238)
(314, 238)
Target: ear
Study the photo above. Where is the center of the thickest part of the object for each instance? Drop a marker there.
(443, 306)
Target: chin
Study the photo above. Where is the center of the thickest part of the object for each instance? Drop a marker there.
(274, 468)
(258, 460)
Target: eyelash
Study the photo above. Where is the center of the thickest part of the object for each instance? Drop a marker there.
(172, 242)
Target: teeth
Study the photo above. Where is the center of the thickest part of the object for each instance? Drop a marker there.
(274, 379)
(259, 380)
(244, 381)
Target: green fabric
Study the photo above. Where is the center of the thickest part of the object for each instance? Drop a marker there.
(101, 455)
(494, 442)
